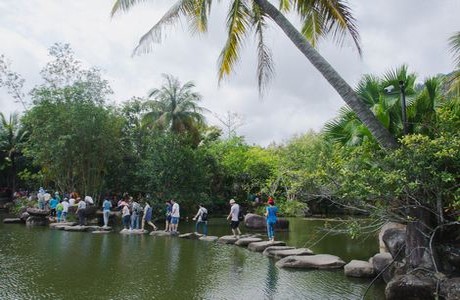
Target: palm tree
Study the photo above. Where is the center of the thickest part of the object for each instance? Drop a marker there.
(12, 135)
(454, 42)
(174, 107)
(320, 18)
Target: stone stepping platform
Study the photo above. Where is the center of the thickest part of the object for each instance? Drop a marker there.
(62, 224)
(227, 239)
(12, 221)
(319, 261)
(160, 233)
(359, 268)
(209, 238)
(261, 246)
(190, 236)
(245, 241)
(292, 252)
(78, 228)
(100, 232)
(268, 251)
(133, 231)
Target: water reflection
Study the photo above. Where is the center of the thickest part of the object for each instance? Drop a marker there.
(271, 280)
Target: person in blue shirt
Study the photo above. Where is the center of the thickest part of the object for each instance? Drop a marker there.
(106, 207)
(53, 203)
(270, 214)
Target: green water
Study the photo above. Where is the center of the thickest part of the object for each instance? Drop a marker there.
(41, 263)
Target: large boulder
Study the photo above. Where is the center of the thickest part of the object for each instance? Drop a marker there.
(270, 250)
(23, 216)
(395, 241)
(261, 246)
(319, 261)
(389, 225)
(32, 211)
(256, 222)
(382, 261)
(450, 289)
(359, 268)
(410, 287)
(243, 242)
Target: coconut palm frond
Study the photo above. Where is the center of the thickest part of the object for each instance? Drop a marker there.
(312, 27)
(238, 22)
(265, 65)
(198, 20)
(454, 43)
(170, 18)
(285, 5)
(124, 6)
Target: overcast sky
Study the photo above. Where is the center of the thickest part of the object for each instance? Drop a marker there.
(393, 32)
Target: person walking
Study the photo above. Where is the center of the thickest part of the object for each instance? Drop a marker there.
(147, 217)
(106, 206)
(136, 211)
(233, 217)
(65, 210)
(175, 215)
(270, 214)
(126, 216)
(59, 209)
(53, 203)
(201, 217)
(168, 215)
(81, 210)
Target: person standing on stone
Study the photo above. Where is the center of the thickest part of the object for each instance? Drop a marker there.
(53, 203)
(136, 211)
(126, 216)
(59, 209)
(270, 214)
(233, 217)
(201, 217)
(175, 215)
(81, 210)
(168, 215)
(41, 198)
(106, 206)
(65, 210)
(147, 217)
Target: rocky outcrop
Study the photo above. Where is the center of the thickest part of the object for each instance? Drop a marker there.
(410, 287)
(37, 221)
(450, 289)
(32, 211)
(256, 222)
(261, 246)
(389, 225)
(395, 241)
(244, 242)
(359, 268)
(381, 261)
(319, 261)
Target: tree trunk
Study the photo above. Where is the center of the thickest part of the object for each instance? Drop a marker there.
(345, 91)
(417, 239)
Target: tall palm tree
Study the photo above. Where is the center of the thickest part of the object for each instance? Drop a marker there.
(174, 107)
(454, 42)
(320, 18)
(12, 135)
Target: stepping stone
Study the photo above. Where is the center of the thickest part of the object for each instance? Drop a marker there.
(100, 231)
(359, 268)
(54, 225)
(261, 246)
(133, 232)
(292, 252)
(209, 238)
(191, 236)
(98, 228)
(160, 233)
(76, 228)
(319, 261)
(227, 239)
(268, 251)
(12, 221)
(244, 242)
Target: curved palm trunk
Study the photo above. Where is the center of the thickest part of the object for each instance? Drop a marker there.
(345, 91)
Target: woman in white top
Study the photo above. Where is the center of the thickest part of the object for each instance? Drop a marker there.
(201, 217)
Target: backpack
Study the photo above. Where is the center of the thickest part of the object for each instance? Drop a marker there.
(137, 208)
(204, 216)
(240, 215)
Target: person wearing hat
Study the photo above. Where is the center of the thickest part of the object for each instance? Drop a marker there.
(270, 214)
(233, 217)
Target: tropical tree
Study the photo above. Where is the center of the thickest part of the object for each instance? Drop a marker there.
(174, 107)
(12, 134)
(454, 42)
(320, 18)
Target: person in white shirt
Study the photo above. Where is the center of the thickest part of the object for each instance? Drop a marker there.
(81, 210)
(175, 215)
(233, 217)
(201, 217)
(65, 211)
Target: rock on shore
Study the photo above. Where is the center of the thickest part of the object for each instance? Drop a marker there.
(359, 268)
(319, 261)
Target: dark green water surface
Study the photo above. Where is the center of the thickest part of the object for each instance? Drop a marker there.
(41, 263)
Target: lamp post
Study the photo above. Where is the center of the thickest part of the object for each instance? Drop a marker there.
(402, 87)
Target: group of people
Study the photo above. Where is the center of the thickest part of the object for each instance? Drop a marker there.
(131, 211)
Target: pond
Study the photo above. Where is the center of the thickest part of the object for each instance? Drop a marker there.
(41, 263)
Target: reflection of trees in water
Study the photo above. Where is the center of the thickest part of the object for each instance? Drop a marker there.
(271, 281)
